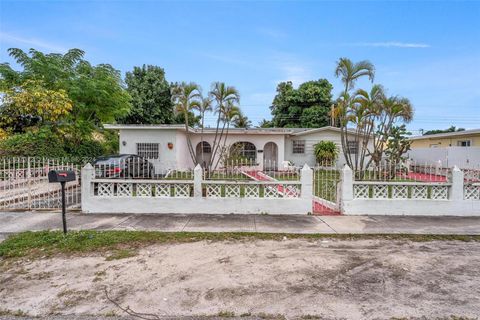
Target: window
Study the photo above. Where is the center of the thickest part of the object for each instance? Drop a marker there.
(207, 148)
(464, 143)
(298, 146)
(148, 150)
(352, 147)
(245, 150)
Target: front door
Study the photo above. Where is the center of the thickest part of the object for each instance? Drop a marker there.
(270, 156)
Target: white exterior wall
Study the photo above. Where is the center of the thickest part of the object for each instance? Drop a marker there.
(310, 140)
(259, 140)
(462, 157)
(167, 158)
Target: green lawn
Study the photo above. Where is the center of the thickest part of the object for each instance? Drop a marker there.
(121, 243)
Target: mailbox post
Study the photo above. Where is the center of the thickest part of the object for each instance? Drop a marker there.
(62, 176)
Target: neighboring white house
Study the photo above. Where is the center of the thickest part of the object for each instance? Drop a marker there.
(166, 145)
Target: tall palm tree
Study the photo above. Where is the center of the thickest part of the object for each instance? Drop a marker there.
(350, 72)
(203, 106)
(185, 97)
(222, 95)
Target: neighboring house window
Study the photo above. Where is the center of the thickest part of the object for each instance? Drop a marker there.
(148, 150)
(464, 143)
(298, 146)
(353, 147)
(434, 146)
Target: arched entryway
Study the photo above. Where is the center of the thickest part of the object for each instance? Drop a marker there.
(244, 151)
(270, 156)
(203, 153)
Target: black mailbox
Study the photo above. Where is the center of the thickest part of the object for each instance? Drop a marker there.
(61, 176)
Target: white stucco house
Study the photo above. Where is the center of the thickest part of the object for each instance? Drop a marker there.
(166, 145)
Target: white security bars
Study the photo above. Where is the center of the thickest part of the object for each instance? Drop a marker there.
(197, 194)
(24, 184)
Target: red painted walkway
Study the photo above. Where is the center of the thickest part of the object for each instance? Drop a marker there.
(317, 207)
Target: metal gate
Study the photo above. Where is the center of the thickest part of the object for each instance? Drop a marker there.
(326, 180)
(24, 184)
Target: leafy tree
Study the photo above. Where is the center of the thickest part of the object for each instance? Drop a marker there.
(96, 92)
(326, 152)
(32, 104)
(308, 106)
(59, 94)
(151, 97)
(451, 129)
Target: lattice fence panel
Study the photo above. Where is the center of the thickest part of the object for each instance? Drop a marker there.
(471, 192)
(271, 191)
(124, 189)
(419, 192)
(399, 192)
(361, 191)
(162, 190)
(144, 190)
(214, 190)
(291, 191)
(106, 189)
(232, 191)
(252, 191)
(181, 190)
(439, 193)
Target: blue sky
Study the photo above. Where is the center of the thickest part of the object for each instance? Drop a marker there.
(427, 51)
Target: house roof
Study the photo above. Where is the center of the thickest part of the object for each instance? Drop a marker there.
(447, 134)
(283, 131)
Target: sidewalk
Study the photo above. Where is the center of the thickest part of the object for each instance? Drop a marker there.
(13, 222)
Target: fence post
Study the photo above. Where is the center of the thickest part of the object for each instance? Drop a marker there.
(346, 184)
(197, 181)
(87, 175)
(456, 192)
(306, 178)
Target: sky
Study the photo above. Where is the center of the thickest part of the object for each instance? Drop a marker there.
(426, 51)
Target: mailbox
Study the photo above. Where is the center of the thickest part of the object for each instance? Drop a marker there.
(61, 176)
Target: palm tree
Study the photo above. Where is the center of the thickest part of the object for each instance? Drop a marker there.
(185, 97)
(222, 95)
(242, 121)
(349, 72)
(203, 106)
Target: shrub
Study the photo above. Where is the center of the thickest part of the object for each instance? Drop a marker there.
(326, 152)
(36, 143)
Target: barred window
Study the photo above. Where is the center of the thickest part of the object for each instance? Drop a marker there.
(353, 147)
(148, 150)
(464, 143)
(298, 146)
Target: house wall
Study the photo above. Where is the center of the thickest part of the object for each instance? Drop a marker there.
(167, 158)
(463, 157)
(259, 140)
(445, 142)
(310, 140)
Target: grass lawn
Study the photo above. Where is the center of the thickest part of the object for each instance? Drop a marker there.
(124, 243)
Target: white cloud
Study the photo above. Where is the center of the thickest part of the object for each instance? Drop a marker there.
(390, 44)
(13, 40)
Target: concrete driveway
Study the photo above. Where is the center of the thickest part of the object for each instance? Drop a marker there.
(13, 222)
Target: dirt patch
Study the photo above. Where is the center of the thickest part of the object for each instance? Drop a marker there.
(324, 278)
